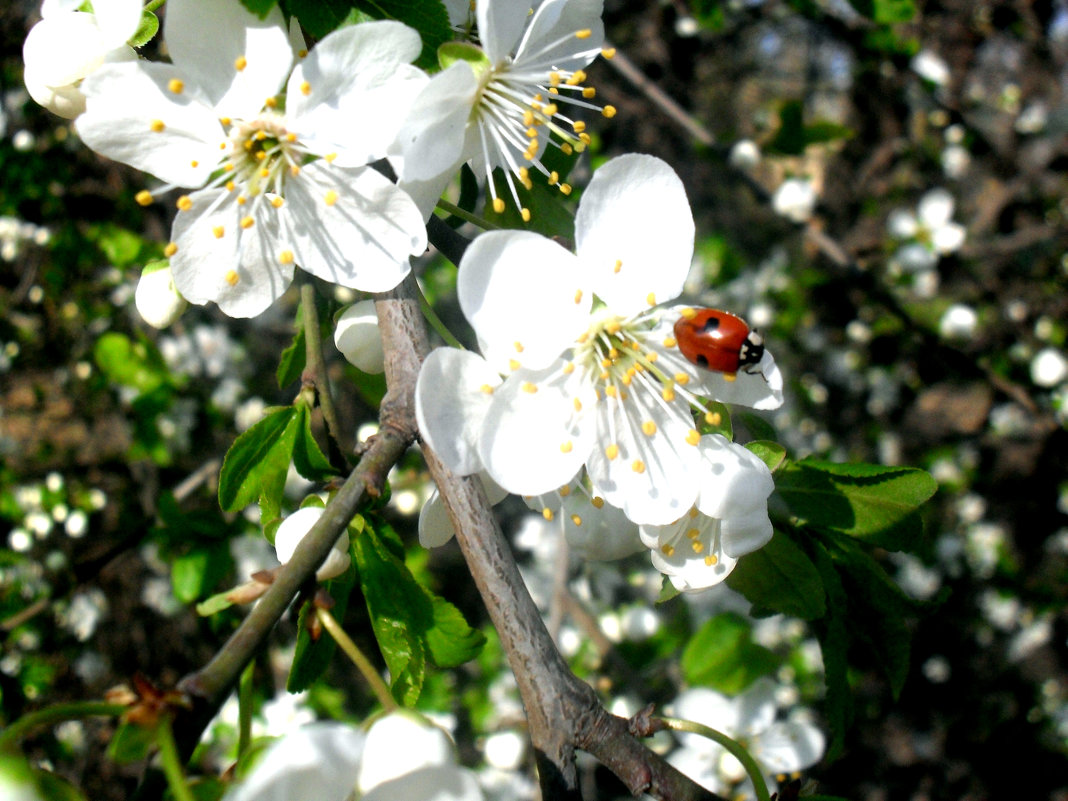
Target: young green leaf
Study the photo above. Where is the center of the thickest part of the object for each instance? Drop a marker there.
(781, 578)
(723, 656)
(312, 657)
(292, 362)
(255, 467)
(872, 503)
(309, 460)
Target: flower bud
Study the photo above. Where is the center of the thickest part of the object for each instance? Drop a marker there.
(358, 338)
(157, 298)
(292, 530)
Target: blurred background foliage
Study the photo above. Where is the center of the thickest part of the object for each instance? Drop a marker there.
(895, 351)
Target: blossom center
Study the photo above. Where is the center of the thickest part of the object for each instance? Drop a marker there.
(261, 153)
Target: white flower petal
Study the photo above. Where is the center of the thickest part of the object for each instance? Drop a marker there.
(238, 59)
(755, 708)
(131, 116)
(734, 481)
(709, 708)
(902, 224)
(451, 404)
(915, 257)
(239, 270)
(117, 20)
(757, 386)
(532, 442)
(435, 527)
(353, 75)
(522, 294)
(742, 534)
(635, 212)
(593, 533)
(441, 783)
(550, 37)
(358, 337)
(652, 478)
(317, 762)
(352, 226)
(157, 299)
(788, 747)
(948, 238)
(935, 208)
(400, 743)
(432, 139)
(499, 25)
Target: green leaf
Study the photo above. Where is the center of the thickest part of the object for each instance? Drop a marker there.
(307, 456)
(131, 743)
(137, 365)
(53, 787)
(255, 467)
(428, 17)
(834, 645)
(318, 17)
(194, 574)
(261, 8)
(878, 609)
(312, 657)
(215, 604)
(723, 656)
(291, 365)
(411, 624)
(886, 12)
(781, 578)
(872, 503)
(770, 453)
(667, 591)
(146, 29)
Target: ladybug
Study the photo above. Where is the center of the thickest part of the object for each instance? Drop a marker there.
(717, 340)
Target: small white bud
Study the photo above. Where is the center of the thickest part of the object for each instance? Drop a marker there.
(157, 298)
(292, 530)
(358, 338)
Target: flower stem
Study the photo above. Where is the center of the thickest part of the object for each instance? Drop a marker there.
(315, 365)
(172, 763)
(466, 216)
(362, 663)
(743, 756)
(244, 709)
(436, 323)
(56, 714)
(154, 4)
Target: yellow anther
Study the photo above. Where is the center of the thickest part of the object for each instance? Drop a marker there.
(261, 156)
(513, 364)
(240, 63)
(692, 513)
(618, 266)
(265, 173)
(525, 214)
(564, 491)
(693, 533)
(613, 326)
(176, 86)
(565, 188)
(569, 368)
(241, 200)
(585, 138)
(585, 33)
(682, 378)
(498, 205)
(577, 404)
(651, 298)
(566, 447)
(547, 513)
(157, 126)
(551, 109)
(555, 78)
(693, 437)
(286, 257)
(578, 296)
(330, 198)
(329, 158)
(247, 222)
(566, 148)
(305, 88)
(697, 546)
(230, 186)
(232, 277)
(608, 52)
(667, 550)
(277, 201)
(589, 92)
(729, 377)
(518, 347)
(652, 355)
(597, 501)
(531, 132)
(612, 451)
(528, 118)
(225, 121)
(170, 250)
(648, 428)
(608, 112)
(487, 389)
(194, 163)
(292, 137)
(143, 198)
(606, 362)
(668, 394)
(218, 231)
(554, 178)
(713, 418)
(613, 353)
(711, 560)
(577, 77)
(302, 53)
(576, 520)
(529, 388)
(688, 313)
(578, 126)
(670, 342)
(611, 391)
(294, 170)
(271, 102)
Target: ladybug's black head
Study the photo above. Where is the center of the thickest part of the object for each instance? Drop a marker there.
(752, 350)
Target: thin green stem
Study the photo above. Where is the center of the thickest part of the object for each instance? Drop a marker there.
(362, 663)
(56, 714)
(315, 364)
(244, 708)
(154, 4)
(466, 216)
(172, 763)
(743, 756)
(435, 322)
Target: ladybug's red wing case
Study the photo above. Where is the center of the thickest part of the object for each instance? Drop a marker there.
(717, 340)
